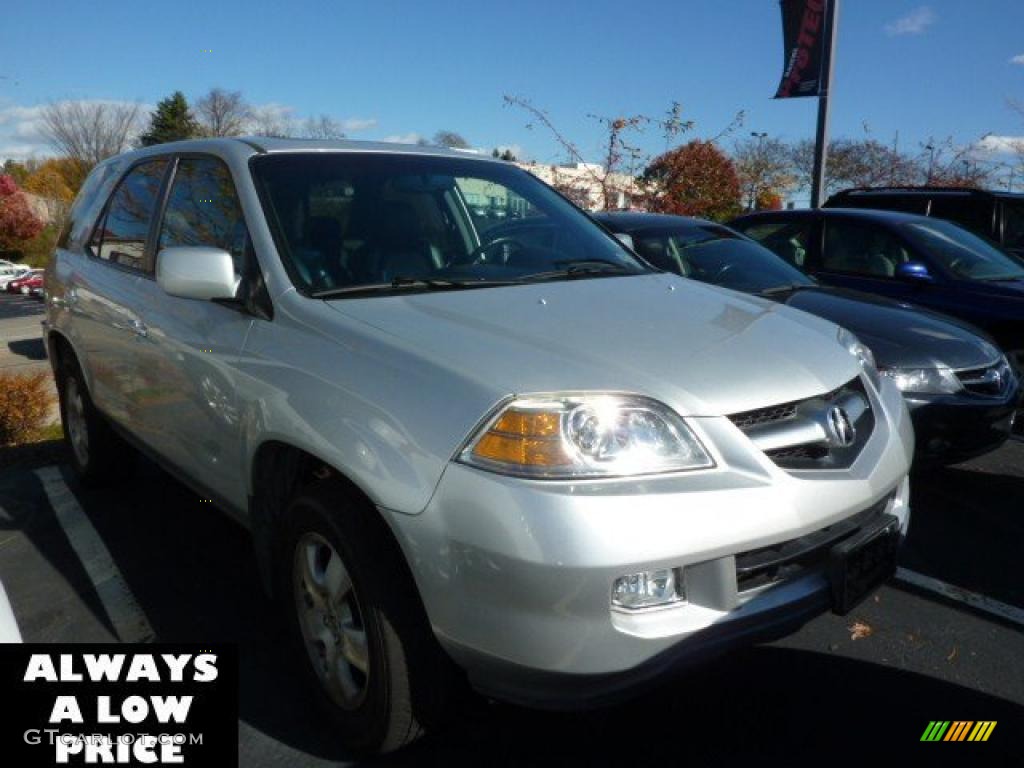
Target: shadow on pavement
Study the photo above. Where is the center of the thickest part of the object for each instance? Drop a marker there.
(30, 349)
(967, 529)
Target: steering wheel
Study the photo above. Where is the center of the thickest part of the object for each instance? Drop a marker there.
(479, 255)
(954, 266)
(722, 270)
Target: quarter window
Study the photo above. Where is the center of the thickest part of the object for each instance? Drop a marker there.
(861, 249)
(203, 209)
(121, 237)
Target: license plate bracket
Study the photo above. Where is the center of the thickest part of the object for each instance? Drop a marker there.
(858, 564)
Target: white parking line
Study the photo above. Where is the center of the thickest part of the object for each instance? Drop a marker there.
(125, 614)
(974, 600)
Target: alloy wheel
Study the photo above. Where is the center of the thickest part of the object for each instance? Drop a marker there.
(78, 431)
(331, 621)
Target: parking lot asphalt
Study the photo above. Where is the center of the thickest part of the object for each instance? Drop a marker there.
(21, 344)
(905, 657)
(147, 560)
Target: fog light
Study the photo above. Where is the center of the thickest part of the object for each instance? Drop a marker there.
(648, 589)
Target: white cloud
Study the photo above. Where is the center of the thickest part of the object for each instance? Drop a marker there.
(1018, 59)
(405, 138)
(914, 23)
(21, 134)
(1001, 145)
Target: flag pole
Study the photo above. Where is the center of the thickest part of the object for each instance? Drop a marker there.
(824, 91)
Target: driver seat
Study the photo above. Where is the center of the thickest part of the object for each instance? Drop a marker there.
(402, 248)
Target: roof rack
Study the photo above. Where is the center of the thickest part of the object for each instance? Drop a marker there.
(972, 191)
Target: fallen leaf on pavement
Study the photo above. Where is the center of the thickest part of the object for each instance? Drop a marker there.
(953, 653)
(859, 629)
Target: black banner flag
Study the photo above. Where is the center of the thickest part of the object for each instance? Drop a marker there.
(803, 29)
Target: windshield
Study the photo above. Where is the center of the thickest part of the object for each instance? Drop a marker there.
(717, 255)
(963, 253)
(345, 222)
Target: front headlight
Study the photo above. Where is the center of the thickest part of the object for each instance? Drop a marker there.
(592, 435)
(863, 354)
(925, 381)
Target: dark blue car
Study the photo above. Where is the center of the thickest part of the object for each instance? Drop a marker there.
(929, 262)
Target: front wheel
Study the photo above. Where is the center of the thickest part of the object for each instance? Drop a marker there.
(352, 607)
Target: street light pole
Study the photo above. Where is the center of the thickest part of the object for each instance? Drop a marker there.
(931, 162)
(821, 139)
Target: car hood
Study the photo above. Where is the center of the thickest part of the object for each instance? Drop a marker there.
(900, 335)
(701, 349)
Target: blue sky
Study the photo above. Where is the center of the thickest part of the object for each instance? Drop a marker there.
(400, 69)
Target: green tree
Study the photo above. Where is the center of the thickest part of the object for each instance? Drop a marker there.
(172, 120)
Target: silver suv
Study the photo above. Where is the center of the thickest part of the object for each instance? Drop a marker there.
(489, 448)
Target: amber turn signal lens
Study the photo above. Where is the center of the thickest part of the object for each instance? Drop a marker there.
(524, 438)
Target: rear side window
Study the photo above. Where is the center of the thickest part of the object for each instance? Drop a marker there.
(970, 213)
(121, 238)
(1013, 225)
(88, 203)
(203, 209)
(886, 202)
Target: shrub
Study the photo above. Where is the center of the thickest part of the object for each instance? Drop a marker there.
(25, 402)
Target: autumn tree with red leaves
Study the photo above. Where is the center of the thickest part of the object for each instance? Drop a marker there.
(696, 179)
(17, 220)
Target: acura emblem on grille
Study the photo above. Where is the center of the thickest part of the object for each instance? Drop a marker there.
(841, 428)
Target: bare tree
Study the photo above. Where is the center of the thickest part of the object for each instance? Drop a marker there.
(223, 113)
(272, 121)
(323, 127)
(90, 131)
(617, 149)
(764, 166)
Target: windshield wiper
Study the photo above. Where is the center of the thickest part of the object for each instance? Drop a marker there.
(786, 288)
(582, 268)
(1001, 279)
(403, 283)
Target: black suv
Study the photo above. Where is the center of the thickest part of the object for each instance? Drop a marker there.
(998, 216)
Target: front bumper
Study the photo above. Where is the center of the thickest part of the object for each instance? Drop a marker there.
(516, 575)
(953, 428)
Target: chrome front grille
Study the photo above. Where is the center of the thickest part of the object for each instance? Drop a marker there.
(991, 381)
(823, 432)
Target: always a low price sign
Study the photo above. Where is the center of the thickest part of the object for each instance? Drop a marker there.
(119, 705)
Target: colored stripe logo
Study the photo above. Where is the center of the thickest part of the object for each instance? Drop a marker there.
(958, 730)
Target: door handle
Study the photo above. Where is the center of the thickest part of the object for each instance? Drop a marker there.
(139, 328)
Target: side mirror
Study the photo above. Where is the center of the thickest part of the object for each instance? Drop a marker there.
(626, 240)
(914, 272)
(196, 273)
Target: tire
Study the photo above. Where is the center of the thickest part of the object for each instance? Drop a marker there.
(91, 442)
(347, 595)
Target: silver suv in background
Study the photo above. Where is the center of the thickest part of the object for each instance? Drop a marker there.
(494, 449)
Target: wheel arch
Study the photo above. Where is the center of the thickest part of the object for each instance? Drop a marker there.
(277, 472)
